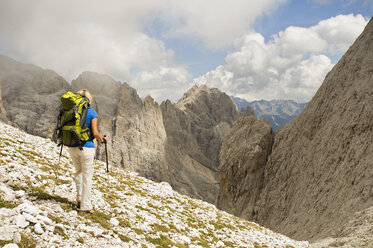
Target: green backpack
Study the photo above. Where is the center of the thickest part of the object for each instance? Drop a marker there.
(72, 128)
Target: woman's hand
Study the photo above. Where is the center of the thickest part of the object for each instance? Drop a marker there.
(96, 133)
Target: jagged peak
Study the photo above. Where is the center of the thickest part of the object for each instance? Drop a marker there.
(194, 93)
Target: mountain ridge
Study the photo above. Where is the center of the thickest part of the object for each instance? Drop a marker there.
(277, 112)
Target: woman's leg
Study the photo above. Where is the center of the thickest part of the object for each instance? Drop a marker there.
(87, 161)
(75, 155)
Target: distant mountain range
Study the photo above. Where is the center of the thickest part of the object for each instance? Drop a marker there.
(276, 112)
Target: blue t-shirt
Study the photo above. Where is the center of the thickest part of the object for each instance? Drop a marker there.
(92, 114)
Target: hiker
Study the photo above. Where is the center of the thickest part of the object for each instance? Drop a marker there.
(83, 159)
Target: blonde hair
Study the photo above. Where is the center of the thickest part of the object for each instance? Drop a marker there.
(85, 92)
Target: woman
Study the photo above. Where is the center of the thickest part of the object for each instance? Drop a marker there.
(83, 160)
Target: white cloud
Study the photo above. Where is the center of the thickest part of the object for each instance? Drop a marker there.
(163, 83)
(340, 31)
(292, 65)
(107, 36)
(216, 22)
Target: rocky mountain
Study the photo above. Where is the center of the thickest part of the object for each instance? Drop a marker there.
(196, 127)
(276, 112)
(31, 96)
(242, 164)
(178, 143)
(318, 177)
(130, 211)
(135, 128)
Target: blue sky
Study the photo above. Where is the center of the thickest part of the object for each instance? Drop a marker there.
(268, 49)
(303, 13)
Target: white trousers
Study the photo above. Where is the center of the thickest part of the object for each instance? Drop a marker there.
(83, 161)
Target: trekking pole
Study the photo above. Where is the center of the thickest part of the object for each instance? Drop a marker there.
(107, 171)
(56, 170)
(107, 163)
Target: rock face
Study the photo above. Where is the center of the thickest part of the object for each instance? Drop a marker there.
(135, 128)
(178, 143)
(320, 170)
(196, 127)
(2, 110)
(31, 96)
(242, 164)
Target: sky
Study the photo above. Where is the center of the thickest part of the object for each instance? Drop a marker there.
(268, 49)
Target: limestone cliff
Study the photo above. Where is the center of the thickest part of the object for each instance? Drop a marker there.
(320, 170)
(31, 96)
(135, 128)
(242, 164)
(196, 127)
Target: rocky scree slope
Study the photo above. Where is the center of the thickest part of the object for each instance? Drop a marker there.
(320, 171)
(131, 211)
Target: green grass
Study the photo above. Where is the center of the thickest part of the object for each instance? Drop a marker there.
(27, 242)
(256, 245)
(124, 223)
(58, 230)
(124, 238)
(138, 231)
(160, 228)
(3, 242)
(7, 204)
(80, 240)
(162, 241)
(98, 217)
(40, 194)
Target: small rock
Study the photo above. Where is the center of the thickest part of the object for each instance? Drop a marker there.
(44, 219)
(220, 244)
(20, 221)
(49, 228)
(7, 212)
(114, 222)
(10, 246)
(17, 237)
(38, 229)
(61, 226)
(59, 209)
(30, 218)
(28, 208)
(185, 239)
(7, 233)
(95, 231)
(19, 193)
(6, 193)
(166, 189)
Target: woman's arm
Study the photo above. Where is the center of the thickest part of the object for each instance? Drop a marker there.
(96, 133)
